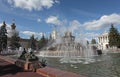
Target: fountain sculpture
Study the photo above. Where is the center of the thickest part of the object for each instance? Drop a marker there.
(69, 51)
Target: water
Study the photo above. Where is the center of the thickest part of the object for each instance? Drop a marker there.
(105, 66)
(69, 50)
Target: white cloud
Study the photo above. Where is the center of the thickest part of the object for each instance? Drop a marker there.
(92, 34)
(74, 25)
(38, 20)
(32, 4)
(71, 26)
(64, 25)
(86, 36)
(57, 1)
(30, 33)
(104, 21)
(53, 20)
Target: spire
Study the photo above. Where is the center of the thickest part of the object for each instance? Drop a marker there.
(54, 33)
(4, 24)
(13, 26)
(13, 21)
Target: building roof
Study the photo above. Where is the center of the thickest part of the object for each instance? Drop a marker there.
(104, 34)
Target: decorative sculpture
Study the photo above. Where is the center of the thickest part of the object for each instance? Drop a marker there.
(28, 56)
(29, 61)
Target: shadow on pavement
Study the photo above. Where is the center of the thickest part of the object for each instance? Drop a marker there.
(9, 69)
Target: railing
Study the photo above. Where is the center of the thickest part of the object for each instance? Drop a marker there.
(9, 52)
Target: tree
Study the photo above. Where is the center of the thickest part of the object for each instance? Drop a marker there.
(42, 42)
(32, 43)
(114, 37)
(3, 36)
(14, 39)
(119, 41)
(93, 41)
(14, 42)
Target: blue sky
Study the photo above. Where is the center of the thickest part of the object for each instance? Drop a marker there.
(85, 18)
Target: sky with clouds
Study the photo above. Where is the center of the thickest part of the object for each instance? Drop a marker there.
(84, 18)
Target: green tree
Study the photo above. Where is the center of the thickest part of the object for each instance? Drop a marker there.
(32, 43)
(114, 37)
(3, 36)
(119, 41)
(14, 42)
(93, 41)
(42, 42)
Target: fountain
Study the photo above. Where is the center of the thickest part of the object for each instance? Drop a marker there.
(69, 51)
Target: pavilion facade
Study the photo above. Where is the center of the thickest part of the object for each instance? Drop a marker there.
(103, 41)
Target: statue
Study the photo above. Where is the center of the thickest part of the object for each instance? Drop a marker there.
(3, 37)
(28, 56)
(29, 61)
(22, 56)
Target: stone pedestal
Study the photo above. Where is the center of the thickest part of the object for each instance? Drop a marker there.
(26, 65)
(31, 66)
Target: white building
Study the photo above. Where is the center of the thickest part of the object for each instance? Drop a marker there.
(103, 41)
(54, 34)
